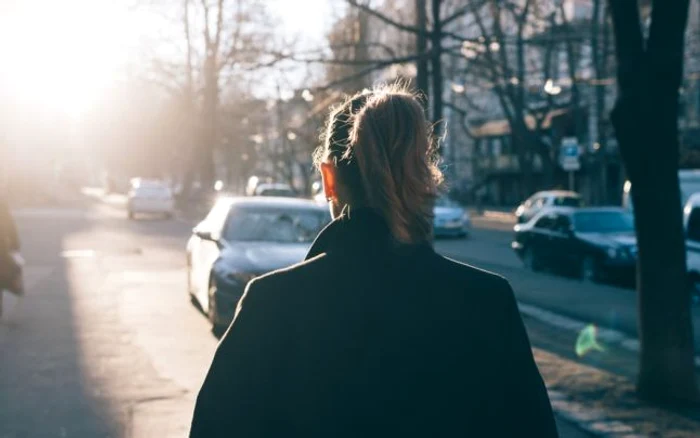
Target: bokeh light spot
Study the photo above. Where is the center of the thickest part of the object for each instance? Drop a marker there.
(587, 341)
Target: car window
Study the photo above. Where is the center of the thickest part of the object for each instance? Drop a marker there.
(568, 201)
(277, 192)
(562, 224)
(539, 202)
(604, 222)
(529, 202)
(152, 191)
(271, 225)
(693, 229)
(545, 222)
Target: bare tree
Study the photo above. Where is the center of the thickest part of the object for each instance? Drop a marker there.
(645, 117)
(221, 41)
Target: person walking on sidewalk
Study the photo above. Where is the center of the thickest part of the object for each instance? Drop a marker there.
(10, 266)
(375, 334)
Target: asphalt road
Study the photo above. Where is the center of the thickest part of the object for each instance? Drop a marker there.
(106, 343)
(606, 305)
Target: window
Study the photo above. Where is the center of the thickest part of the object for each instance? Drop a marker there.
(272, 225)
(545, 222)
(693, 230)
(604, 222)
(562, 224)
(568, 201)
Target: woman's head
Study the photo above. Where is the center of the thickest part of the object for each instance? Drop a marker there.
(378, 154)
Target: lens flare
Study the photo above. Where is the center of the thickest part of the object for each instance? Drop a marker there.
(587, 341)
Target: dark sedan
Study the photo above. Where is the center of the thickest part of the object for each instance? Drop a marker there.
(593, 243)
(242, 238)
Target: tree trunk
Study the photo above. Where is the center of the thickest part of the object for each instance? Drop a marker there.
(436, 67)
(422, 82)
(645, 118)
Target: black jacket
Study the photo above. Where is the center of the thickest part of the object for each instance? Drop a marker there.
(367, 338)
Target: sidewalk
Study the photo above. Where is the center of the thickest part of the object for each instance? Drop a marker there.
(596, 391)
(500, 219)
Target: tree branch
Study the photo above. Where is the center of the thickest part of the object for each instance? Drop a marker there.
(385, 19)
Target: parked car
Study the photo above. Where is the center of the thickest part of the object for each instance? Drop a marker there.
(450, 219)
(242, 238)
(594, 243)
(540, 200)
(691, 223)
(150, 197)
(275, 189)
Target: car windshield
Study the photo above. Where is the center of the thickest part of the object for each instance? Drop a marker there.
(603, 222)
(277, 192)
(152, 191)
(266, 225)
(568, 201)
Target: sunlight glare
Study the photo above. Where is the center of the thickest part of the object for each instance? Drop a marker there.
(62, 55)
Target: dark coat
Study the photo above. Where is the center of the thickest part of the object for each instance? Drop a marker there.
(367, 338)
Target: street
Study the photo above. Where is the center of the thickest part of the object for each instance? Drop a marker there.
(108, 344)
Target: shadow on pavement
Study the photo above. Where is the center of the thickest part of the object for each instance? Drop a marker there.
(45, 388)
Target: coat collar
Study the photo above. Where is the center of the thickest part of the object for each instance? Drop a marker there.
(359, 230)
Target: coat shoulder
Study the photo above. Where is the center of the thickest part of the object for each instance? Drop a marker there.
(288, 278)
(476, 281)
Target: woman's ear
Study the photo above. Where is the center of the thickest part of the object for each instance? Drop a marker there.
(329, 180)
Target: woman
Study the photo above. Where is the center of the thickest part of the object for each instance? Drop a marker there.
(375, 334)
(10, 266)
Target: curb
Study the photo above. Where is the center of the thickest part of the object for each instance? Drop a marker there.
(591, 420)
(609, 336)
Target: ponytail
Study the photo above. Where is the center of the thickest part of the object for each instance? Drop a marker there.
(380, 144)
(391, 143)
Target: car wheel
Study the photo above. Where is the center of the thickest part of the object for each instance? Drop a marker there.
(590, 273)
(213, 314)
(530, 260)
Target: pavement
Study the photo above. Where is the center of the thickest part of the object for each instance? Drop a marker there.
(107, 344)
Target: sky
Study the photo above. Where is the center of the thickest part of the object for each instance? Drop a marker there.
(308, 18)
(63, 54)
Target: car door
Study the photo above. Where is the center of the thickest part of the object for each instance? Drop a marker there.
(692, 233)
(562, 242)
(540, 239)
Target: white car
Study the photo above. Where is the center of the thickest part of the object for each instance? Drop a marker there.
(691, 223)
(450, 219)
(242, 238)
(150, 197)
(551, 198)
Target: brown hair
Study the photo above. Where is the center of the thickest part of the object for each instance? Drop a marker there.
(381, 146)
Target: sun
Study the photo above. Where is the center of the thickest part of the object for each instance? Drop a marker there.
(61, 55)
